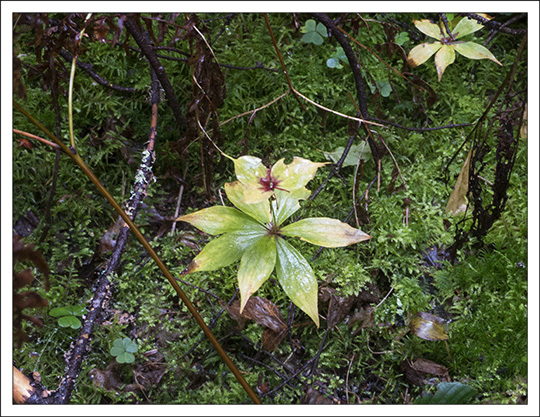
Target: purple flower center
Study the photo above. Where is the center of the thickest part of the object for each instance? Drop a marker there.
(269, 183)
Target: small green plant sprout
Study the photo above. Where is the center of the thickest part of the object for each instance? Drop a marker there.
(253, 232)
(123, 350)
(314, 32)
(402, 38)
(67, 316)
(337, 58)
(448, 43)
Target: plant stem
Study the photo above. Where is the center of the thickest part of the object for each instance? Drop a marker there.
(88, 172)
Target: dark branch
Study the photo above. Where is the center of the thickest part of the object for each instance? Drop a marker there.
(491, 24)
(150, 54)
(89, 69)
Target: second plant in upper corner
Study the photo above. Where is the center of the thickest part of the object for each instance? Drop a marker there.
(448, 43)
(253, 232)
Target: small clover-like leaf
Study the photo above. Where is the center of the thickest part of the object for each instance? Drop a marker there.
(402, 38)
(69, 321)
(314, 33)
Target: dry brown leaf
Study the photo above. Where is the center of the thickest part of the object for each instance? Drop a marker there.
(457, 203)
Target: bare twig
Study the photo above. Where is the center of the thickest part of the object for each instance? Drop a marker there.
(150, 54)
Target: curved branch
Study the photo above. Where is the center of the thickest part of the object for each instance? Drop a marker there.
(357, 74)
(491, 24)
(150, 54)
(89, 69)
(421, 129)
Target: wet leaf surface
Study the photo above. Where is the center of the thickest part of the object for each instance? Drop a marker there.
(428, 326)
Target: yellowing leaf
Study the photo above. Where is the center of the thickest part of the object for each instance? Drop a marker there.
(249, 169)
(421, 53)
(428, 28)
(260, 211)
(428, 327)
(457, 203)
(323, 231)
(223, 251)
(297, 279)
(257, 264)
(473, 50)
(219, 219)
(443, 58)
(523, 128)
(466, 26)
(297, 174)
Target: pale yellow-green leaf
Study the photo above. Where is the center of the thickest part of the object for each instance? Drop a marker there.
(295, 175)
(286, 203)
(457, 203)
(297, 279)
(421, 53)
(224, 251)
(431, 29)
(323, 231)
(249, 169)
(443, 58)
(260, 211)
(465, 27)
(258, 262)
(219, 219)
(473, 50)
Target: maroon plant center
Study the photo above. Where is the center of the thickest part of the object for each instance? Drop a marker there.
(269, 183)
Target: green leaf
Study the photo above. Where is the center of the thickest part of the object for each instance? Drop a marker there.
(333, 63)
(402, 38)
(314, 33)
(260, 211)
(224, 250)
(297, 174)
(321, 30)
(443, 58)
(310, 26)
(218, 219)
(286, 203)
(69, 321)
(421, 53)
(433, 30)
(125, 357)
(473, 50)
(384, 88)
(297, 279)
(352, 157)
(449, 393)
(59, 312)
(313, 37)
(256, 265)
(130, 345)
(323, 231)
(465, 27)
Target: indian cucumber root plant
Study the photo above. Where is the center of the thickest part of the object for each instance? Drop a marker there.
(398, 277)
